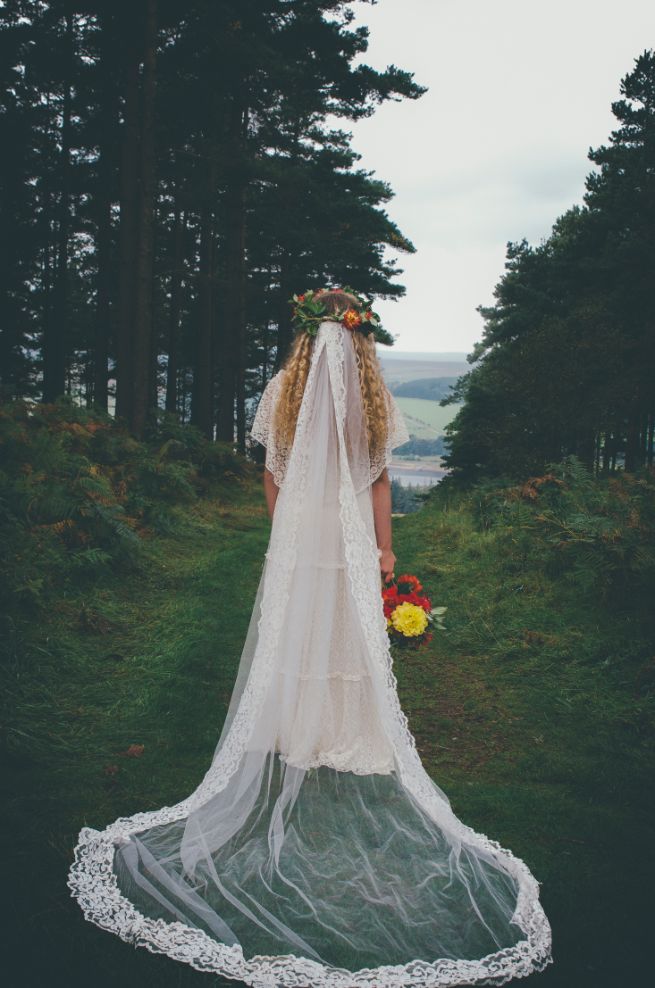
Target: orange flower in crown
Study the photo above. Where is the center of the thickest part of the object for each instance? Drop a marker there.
(351, 319)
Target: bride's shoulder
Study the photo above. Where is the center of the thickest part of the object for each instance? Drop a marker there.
(279, 375)
(274, 382)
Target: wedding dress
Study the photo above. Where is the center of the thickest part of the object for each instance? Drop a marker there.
(317, 851)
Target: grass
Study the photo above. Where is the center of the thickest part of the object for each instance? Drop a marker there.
(532, 714)
(529, 711)
(146, 659)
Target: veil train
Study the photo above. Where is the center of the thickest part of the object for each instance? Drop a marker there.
(317, 850)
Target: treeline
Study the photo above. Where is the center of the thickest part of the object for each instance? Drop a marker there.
(422, 447)
(406, 500)
(566, 365)
(171, 174)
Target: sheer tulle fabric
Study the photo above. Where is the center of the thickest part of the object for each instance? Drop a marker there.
(317, 851)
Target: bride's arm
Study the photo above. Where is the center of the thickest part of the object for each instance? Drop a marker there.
(271, 490)
(381, 493)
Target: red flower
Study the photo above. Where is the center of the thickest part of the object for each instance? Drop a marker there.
(413, 598)
(390, 600)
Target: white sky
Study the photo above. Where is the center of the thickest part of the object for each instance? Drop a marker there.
(496, 150)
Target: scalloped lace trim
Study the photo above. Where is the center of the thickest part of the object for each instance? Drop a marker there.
(93, 882)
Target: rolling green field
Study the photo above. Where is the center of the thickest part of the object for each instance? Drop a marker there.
(426, 419)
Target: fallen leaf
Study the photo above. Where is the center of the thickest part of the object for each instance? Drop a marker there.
(134, 751)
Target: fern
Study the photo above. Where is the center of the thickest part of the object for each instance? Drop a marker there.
(93, 558)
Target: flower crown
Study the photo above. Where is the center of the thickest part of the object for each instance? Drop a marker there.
(309, 312)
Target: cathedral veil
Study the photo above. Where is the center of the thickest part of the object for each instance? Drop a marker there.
(317, 850)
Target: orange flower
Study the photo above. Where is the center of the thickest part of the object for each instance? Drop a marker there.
(351, 318)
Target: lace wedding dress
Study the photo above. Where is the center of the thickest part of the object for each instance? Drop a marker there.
(317, 851)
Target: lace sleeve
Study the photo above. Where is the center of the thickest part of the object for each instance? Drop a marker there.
(262, 430)
(397, 435)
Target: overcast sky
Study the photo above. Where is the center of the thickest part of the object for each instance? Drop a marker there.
(496, 150)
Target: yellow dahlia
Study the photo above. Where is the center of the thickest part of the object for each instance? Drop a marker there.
(409, 619)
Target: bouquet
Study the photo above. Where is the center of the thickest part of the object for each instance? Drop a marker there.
(409, 612)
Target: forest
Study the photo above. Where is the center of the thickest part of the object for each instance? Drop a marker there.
(171, 174)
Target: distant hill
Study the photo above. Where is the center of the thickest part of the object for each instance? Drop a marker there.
(403, 368)
(431, 388)
(453, 356)
(418, 381)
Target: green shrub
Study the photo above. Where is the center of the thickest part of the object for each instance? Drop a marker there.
(597, 534)
(77, 493)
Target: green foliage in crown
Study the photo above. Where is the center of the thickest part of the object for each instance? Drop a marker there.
(309, 311)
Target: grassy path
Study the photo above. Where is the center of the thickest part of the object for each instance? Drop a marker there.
(535, 748)
(148, 660)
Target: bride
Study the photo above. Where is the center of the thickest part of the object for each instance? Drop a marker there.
(317, 851)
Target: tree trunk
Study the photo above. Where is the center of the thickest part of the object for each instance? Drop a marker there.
(285, 328)
(597, 454)
(128, 232)
(104, 230)
(56, 330)
(632, 439)
(605, 465)
(202, 400)
(153, 366)
(143, 328)
(266, 347)
(11, 276)
(240, 320)
(233, 352)
(179, 226)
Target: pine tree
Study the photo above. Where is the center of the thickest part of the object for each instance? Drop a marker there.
(171, 180)
(567, 359)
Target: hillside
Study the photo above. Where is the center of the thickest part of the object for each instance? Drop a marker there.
(425, 419)
(432, 388)
(533, 710)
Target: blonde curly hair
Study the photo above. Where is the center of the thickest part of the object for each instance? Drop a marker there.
(296, 369)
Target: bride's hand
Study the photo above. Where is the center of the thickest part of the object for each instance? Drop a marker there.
(387, 564)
